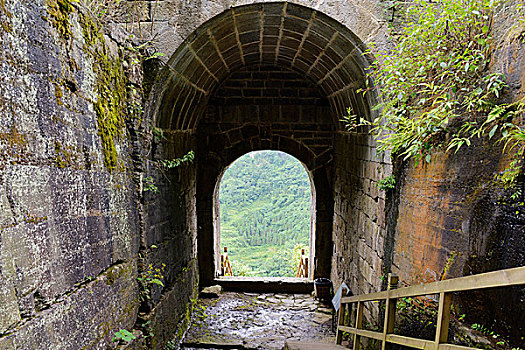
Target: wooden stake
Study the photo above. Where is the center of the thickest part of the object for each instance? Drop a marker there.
(443, 320)
(390, 311)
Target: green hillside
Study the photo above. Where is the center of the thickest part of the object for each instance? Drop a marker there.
(265, 213)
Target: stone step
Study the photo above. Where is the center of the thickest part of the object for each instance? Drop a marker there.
(266, 284)
(213, 344)
(288, 345)
(306, 345)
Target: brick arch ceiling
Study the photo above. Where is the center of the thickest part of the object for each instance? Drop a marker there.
(278, 33)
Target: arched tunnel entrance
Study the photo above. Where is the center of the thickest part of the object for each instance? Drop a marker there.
(265, 203)
(273, 76)
(252, 137)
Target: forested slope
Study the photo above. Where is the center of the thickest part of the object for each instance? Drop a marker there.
(265, 213)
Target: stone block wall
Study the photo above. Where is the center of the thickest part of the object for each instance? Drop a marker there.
(68, 224)
(170, 22)
(77, 227)
(269, 85)
(257, 104)
(359, 222)
(169, 239)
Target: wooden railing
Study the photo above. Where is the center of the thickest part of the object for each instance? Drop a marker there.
(302, 269)
(502, 278)
(225, 264)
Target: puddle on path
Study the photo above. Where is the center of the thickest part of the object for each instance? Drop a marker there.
(258, 321)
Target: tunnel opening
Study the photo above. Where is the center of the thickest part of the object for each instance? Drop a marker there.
(269, 76)
(266, 209)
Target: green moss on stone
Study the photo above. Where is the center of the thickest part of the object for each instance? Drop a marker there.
(113, 274)
(91, 32)
(67, 156)
(14, 139)
(32, 219)
(111, 95)
(185, 323)
(58, 93)
(5, 16)
(15, 147)
(111, 83)
(59, 11)
(111, 91)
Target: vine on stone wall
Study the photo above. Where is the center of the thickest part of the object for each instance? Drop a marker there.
(436, 91)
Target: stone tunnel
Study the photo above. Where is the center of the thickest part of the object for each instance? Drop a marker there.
(86, 211)
(266, 76)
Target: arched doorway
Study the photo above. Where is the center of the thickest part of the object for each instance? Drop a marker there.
(271, 75)
(266, 203)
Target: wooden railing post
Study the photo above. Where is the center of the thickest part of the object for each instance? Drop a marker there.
(227, 267)
(306, 267)
(358, 324)
(302, 269)
(390, 311)
(443, 320)
(341, 318)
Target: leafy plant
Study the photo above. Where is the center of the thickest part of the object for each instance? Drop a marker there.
(151, 277)
(149, 185)
(386, 184)
(479, 327)
(448, 264)
(499, 340)
(148, 328)
(171, 345)
(154, 55)
(435, 87)
(416, 315)
(158, 134)
(124, 335)
(173, 163)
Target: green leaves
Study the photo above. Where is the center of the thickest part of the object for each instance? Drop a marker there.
(386, 184)
(149, 185)
(434, 83)
(493, 131)
(174, 163)
(153, 275)
(124, 335)
(157, 282)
